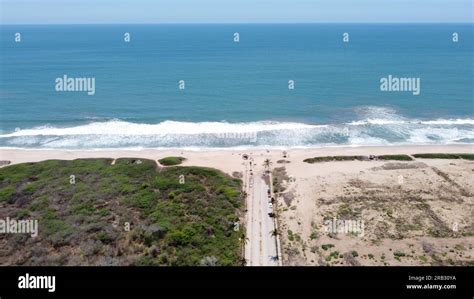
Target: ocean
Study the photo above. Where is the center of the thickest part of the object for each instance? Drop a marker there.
(194, 86)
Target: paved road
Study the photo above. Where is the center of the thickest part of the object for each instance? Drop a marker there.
(261, 246)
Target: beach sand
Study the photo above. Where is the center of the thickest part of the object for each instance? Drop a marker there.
(414, 213)
(227, 160)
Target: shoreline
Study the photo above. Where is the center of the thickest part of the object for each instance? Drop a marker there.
(23, 155)
(242, 148)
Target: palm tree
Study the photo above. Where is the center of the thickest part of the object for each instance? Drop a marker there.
(267, 163)
(243, 240)
(275, 233)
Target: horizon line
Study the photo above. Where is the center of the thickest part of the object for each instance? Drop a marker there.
(242, 23)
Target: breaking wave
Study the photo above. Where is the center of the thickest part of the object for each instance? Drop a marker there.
(378, 126)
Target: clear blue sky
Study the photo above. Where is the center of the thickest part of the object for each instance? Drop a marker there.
(233, 11)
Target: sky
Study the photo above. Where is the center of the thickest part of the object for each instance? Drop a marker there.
(234, 11)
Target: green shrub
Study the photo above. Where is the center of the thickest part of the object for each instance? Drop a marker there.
(327, 246)
(171, 223)
(291, 236)
(6, 193)
(334, 158)
(334, 254)
(170, 161)
(444, 156)
(357, 158)
(398, 255)
(103, 212)
(104, 237)
(395, 157)
(83, 209)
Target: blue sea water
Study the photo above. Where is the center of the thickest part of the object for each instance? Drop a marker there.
(236, 94)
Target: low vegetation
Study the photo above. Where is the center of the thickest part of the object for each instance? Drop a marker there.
(335, 158)
(395, 157)
(409, 212)
(170, 161)
(131, 213)
(358, 158)
(327, 246)
(445, 156)
(389, 157)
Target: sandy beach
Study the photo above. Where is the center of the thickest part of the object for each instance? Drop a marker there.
(227, 160)
(416, 212)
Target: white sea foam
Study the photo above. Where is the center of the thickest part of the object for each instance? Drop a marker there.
(117, 127)
(379, 121)
(458, 121)
(374, 115)
(436, 135)
(388, 130)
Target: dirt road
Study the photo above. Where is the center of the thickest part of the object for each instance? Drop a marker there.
(261, 247)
